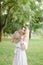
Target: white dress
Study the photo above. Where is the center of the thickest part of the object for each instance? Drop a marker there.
(20, 55)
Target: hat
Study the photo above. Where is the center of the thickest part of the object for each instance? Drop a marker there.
(17, 36)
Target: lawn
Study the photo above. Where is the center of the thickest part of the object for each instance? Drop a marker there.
(34, 52)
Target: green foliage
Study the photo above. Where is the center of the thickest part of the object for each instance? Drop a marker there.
(20, 12)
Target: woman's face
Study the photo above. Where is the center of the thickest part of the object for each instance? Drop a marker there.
(23, 30)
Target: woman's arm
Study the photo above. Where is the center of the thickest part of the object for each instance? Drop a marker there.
(22, 46)
(24, 42)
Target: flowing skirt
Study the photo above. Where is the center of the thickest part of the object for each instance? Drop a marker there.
(19, 57)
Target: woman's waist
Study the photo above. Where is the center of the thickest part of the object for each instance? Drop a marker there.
(17, 47)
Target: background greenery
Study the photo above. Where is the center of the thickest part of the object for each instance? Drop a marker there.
(34, 52)
(16, 13)
(13, 15)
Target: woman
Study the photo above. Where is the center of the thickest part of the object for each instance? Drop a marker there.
(20, 55)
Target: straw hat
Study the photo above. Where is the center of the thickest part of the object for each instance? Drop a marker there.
(17, 36)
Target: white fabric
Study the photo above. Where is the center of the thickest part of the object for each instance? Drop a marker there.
(20, 55)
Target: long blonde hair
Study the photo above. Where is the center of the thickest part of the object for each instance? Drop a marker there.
(27, 35)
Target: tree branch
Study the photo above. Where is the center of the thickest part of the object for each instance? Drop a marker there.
(5, 22)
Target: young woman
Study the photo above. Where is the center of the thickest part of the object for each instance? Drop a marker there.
(20, 54)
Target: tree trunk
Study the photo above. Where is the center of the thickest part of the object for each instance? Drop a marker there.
(0, 24)
(30, 34)
(0, 36)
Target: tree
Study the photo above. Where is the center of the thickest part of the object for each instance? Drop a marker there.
(36, 16)
(9, 6)
(21, 12)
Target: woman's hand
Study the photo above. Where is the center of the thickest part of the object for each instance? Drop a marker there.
(14, 40)
(22, 46)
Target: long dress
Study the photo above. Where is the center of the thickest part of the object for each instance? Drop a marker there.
(20, 55)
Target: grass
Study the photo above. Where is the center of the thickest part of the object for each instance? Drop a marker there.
(34, 52)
